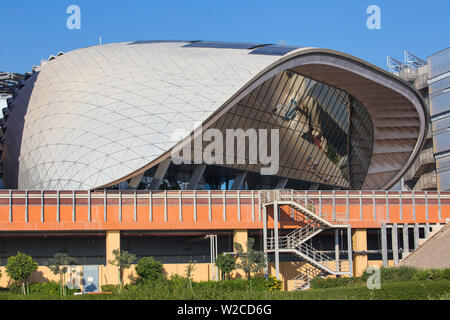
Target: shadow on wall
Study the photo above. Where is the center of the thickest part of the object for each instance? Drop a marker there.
(38, 276)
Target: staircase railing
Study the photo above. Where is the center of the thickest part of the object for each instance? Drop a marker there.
(313, 253)
(301, 234)
(295, 240)
(269, 196)
(303, 279)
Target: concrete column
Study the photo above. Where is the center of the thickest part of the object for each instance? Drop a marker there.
(105, 205)
(334, 205)
(215, 257)
(112, 243)
(238, 180)
(159, 174)
(359, 243)
(42, 206)
(134, 182)
(336, 248)
(350, 250)
(416, 235)
(387, 205)
(210, 206)
(395, 243)
(439, 205)
(241, 237)
(58, 209)
(314, 186)
(11, 205)
(224, 207)
(384, 252)
(405, 241)
(89, 206)
(110, 271)
(360, 205)
(281, 183)
(264, 210)
(26, 205)
(196, 176)
(239, 204)
(320, 204)
(277, 249)
(211, 256)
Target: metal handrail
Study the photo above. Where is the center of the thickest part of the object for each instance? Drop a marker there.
(313, 253)
(311, 205)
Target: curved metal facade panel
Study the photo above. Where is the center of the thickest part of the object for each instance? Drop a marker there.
(99, 113)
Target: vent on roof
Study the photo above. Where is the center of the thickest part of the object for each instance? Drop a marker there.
(274, 50)
(222, 45)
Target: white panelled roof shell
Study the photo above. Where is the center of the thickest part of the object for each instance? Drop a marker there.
(99, 113)
(103, 114)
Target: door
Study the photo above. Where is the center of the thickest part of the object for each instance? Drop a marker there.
(90, 279)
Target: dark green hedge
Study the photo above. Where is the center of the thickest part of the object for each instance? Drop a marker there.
(46, 288)
(392, 274)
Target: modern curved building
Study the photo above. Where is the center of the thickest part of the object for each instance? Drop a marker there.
(110, 116)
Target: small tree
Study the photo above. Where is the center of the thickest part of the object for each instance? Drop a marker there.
(20, 267)
(189, 271)
(123, 260)
(250, 261)
(58, 265)
(226, 264)
(148, 268)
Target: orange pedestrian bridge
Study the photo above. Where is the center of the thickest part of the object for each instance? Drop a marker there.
(52, 210)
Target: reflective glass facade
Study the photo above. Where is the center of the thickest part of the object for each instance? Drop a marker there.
(325, 135)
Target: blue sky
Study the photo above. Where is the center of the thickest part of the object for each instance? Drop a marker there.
(33, 30)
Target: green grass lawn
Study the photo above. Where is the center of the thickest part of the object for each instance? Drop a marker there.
(161, 290)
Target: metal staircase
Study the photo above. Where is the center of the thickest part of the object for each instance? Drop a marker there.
(315, 220)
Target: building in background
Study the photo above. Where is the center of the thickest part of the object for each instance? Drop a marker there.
(10, 84)
(439, 99)
(432, 79)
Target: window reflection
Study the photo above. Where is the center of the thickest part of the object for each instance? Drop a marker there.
(323, 130)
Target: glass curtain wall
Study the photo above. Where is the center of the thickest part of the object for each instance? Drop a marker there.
(326, 136)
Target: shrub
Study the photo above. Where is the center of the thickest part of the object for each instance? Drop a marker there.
(179, 281)
(20, 267)
(226, 264)
(325, 283)
(257, 283)
(58, 265)
(123, 260)
(234, 285)
(46, 288)
(149, 269)
(428, 274)
(394, 274)
(446, 274)
(110, 288)
(250, 261)
(273, 284)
